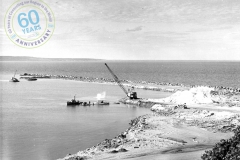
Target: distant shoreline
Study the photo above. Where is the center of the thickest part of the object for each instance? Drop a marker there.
(26, 58)
(42, 59)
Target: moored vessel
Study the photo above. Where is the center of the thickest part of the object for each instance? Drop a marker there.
(31, 79)
(101, 102)
(14, 79)
(73, 102)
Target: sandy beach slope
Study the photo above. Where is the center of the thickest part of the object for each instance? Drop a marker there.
(173, 131)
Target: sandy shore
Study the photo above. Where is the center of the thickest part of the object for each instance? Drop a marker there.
(172, 131)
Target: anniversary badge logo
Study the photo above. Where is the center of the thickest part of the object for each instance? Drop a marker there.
(29, 23)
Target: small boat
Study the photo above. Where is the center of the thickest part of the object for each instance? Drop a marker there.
(25, 74)
(13, 78)
(86, 103)
(101, 102)
(73, 102)
(31, 79)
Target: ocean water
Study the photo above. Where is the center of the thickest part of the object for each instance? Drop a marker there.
(37, 124)
(185, 72)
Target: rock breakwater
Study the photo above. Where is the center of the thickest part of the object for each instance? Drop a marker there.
(146, 85)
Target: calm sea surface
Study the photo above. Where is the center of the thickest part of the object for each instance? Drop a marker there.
(37, 124)
(191, 73)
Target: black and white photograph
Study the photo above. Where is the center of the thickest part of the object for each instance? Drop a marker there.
(120, 80)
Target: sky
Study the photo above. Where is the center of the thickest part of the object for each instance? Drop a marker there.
(137, 30)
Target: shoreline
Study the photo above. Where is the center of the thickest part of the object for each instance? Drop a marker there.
(169, 131)
(172, 130)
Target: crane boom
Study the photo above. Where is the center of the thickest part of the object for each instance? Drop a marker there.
(15, 73)
(117, 80)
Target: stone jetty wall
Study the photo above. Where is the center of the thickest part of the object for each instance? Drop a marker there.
(137, 84)
(146, 85)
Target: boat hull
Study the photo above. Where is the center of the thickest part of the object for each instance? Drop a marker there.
(72, 104)
(14, 80)
(32, 79)
(101, 103)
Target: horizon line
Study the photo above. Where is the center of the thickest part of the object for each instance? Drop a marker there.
(113, 59)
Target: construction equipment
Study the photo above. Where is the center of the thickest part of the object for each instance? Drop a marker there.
(130, 93)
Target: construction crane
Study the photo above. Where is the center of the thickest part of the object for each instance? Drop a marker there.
(131, 94)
